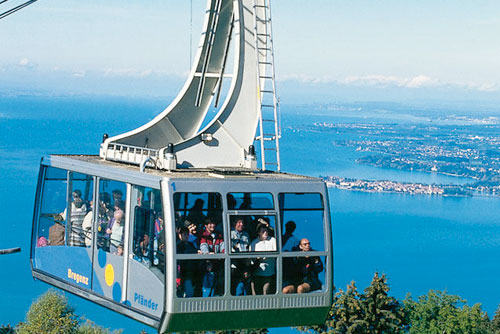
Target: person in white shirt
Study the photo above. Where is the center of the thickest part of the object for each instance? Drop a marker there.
(263, 280)
(116, 231)
(240, 239)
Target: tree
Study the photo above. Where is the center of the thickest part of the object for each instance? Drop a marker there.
(495, 323)
(345, 316)
(440, 313)
(241, 331)
(382, 313)
(89, 327)
(7, 330)
(373, 312)
(49, 314)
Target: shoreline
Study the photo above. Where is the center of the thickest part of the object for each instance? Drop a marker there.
(394, 187)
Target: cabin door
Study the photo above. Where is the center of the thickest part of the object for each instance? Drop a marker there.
(112, 219)
(146, 249)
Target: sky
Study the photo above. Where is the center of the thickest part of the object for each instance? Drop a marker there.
(326, 50)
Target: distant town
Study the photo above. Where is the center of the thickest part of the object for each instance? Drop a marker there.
(399, 187)
(470, 150)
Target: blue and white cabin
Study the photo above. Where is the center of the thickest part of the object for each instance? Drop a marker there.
(107, 232)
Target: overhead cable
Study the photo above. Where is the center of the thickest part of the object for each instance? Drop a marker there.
(15, 9)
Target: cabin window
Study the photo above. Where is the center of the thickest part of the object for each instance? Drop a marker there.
(51, 224)
(111, 216)
(148, 241)
(304, 274)
(253, 233)
(253, 276)
(250, 201)
(302, 216)
(197, 207)
(199, 244)
(302, 219)
(79, 212)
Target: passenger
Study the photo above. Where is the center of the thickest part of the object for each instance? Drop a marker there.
(78, 212)
(117, 196)
(159, 241)
(42, 242)
(105, 214)
(247, 202)
(266, 221)
(184, 246)
(193, 233)
(241, 277)
(87, 225)
(211, 241)
(240, 240)
(209, 282)
(290, 242)
(105, 205)
(115, 231)
(144, 247)
(263, 278)
(57, 232)
(119, 250)
(159, 225)
(119, 205)
(212, 282)
(231, 202)
(240, 268)
(196, 213)
(186, 268)
(308, 269)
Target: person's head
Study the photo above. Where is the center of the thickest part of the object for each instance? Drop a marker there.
(146, 240)
(208, 265)
(231, 202)
(159, 218)
(105, 199)
(198, 204)
(262, 231)
(119, 250)
(77, 198)
(117, 194)
(190, 226)
(119, 204)
(118, 215)
(305, 245)
(76, 194)
(183, 233)
(210, 225)
(290, 227)
(239, 224)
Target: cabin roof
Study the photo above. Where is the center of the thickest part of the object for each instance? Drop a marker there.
(210, 172)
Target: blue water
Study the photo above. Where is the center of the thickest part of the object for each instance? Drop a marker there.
(420, 242)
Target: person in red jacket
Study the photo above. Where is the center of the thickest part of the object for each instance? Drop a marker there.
(211, 241)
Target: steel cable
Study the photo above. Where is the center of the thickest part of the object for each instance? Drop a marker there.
(15, 9)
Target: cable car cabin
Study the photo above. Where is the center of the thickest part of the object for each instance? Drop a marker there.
(185, 250)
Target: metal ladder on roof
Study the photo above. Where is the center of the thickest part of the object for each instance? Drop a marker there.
(269, 121)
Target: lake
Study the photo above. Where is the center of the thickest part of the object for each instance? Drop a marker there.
(420, 242)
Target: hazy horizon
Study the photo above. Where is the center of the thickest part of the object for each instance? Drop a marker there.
(325, 50)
